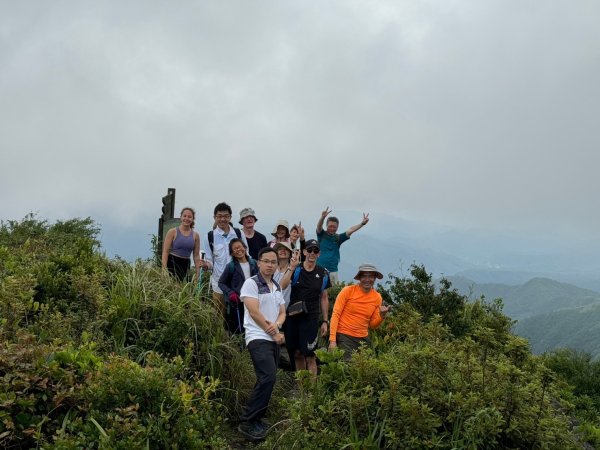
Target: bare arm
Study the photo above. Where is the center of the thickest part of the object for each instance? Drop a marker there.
(287, 276)
(358, 226)
(270, 328)
(280, 316)
(169, 238)
(324, 214)
(324, 312)
(196, 254)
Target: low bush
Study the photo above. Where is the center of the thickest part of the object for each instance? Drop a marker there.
(420, 387)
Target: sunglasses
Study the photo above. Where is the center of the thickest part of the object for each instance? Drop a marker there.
(312, 250)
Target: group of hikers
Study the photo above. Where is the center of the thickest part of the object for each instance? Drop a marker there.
(275, 292)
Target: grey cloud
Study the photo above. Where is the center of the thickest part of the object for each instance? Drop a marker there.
(459, 112)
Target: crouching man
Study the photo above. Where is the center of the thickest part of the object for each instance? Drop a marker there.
(264, 315)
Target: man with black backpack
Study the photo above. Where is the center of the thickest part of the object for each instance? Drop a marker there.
(308, 298)
(216, 246)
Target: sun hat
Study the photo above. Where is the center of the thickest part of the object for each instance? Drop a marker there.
(366, 267)
(245, 213)
(283, 223)
(283, 244)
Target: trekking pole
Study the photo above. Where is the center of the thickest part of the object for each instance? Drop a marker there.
(199, 285)
(240, 326)
(237, 310)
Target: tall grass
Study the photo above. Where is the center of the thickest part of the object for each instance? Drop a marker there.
(149, 311)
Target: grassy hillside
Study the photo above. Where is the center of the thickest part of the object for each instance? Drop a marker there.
(103, 354)
(576, 328)
(536, 296)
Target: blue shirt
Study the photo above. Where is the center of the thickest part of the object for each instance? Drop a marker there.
(330, 249)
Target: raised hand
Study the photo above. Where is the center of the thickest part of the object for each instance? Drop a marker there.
(295, 259)
(365, 219)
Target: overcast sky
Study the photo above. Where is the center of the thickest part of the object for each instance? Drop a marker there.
(470, 113)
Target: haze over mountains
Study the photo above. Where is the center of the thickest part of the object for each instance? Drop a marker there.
(551, 286)
(536, 296)
(480, 255)
(394, 244)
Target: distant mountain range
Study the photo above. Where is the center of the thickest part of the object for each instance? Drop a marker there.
(536, 296)
(550, 314)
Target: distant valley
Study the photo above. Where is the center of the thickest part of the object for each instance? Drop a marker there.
(549, 314)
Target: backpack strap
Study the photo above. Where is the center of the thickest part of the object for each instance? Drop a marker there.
(325, 280)
(296, 275)
(238, 232)
(211, 241)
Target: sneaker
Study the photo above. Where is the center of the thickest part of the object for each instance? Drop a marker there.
(262, 425)
(252, 430)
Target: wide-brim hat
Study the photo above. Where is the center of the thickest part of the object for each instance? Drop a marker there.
(245, 213)
(283, 244)
(366, 267)
(281, 223)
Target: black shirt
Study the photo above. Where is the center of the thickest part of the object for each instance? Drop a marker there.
(308, 288)
(256, 243)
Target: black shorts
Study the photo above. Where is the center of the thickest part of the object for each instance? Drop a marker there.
(301, 333)
(178, 267)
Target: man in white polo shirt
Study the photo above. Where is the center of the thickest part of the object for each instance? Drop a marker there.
(264, 314)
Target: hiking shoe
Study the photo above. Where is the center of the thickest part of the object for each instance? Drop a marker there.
(252, 430)
(262, 425)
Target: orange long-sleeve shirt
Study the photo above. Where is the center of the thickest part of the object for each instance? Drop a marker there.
(355, 312)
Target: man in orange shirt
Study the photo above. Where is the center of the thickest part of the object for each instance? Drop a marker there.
(357, 308)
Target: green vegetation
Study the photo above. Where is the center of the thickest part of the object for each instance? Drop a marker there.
(100, 353)
(577, 328)
(537, 296)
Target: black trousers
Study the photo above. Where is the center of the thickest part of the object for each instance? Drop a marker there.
(265, 358)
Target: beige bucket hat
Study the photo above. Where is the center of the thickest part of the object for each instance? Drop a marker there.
(366, 267)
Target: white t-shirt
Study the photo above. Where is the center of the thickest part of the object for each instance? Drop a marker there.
(246, 269)
(268, 304)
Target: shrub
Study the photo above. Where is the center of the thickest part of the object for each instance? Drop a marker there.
(131, 406)
(39, 388)
(419, 292)
(51, 274)
(420, 387)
